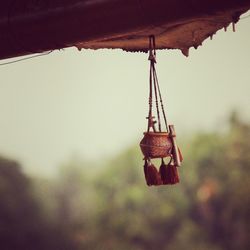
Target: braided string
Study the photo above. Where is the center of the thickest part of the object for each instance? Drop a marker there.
(156, 97)
(161, 101)
(150, 101)
(153, 79)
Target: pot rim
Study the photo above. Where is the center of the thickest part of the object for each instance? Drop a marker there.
(156, 133)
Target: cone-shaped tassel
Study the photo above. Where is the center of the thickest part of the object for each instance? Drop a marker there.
(169, 174)
(164, 172)
(152, 175)
(173, 174)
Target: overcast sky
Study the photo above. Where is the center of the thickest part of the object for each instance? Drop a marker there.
(93, 103)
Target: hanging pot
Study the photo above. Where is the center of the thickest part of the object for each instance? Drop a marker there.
(156, 144)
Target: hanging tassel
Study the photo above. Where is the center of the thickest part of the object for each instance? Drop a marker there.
(164, 172)
(173, 174)
(169, 173)
(152, 175)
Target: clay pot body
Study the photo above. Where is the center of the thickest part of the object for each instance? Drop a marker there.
(156, 145)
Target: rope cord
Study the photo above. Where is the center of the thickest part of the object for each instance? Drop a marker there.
(150, 101)
(154, 81)
(150, 116)
(161, 101)
(156, 97)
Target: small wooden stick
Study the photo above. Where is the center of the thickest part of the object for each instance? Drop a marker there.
(176, 155)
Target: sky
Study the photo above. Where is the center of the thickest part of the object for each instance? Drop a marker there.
(93, 104)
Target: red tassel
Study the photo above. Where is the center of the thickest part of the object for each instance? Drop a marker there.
(173, 174)
(169, 174)
(164, 173)
(152, 175)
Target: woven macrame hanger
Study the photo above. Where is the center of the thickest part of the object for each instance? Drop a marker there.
(154, 86)
(158, 144)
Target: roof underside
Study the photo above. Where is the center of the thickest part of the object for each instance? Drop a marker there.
(179, 35)
(28, 26)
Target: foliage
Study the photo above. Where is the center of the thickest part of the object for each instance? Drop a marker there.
(112, 208)
(23, 226)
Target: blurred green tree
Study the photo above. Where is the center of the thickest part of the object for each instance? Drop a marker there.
(110, 207)
(22, 223)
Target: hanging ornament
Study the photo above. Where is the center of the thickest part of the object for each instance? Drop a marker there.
(157, 142)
